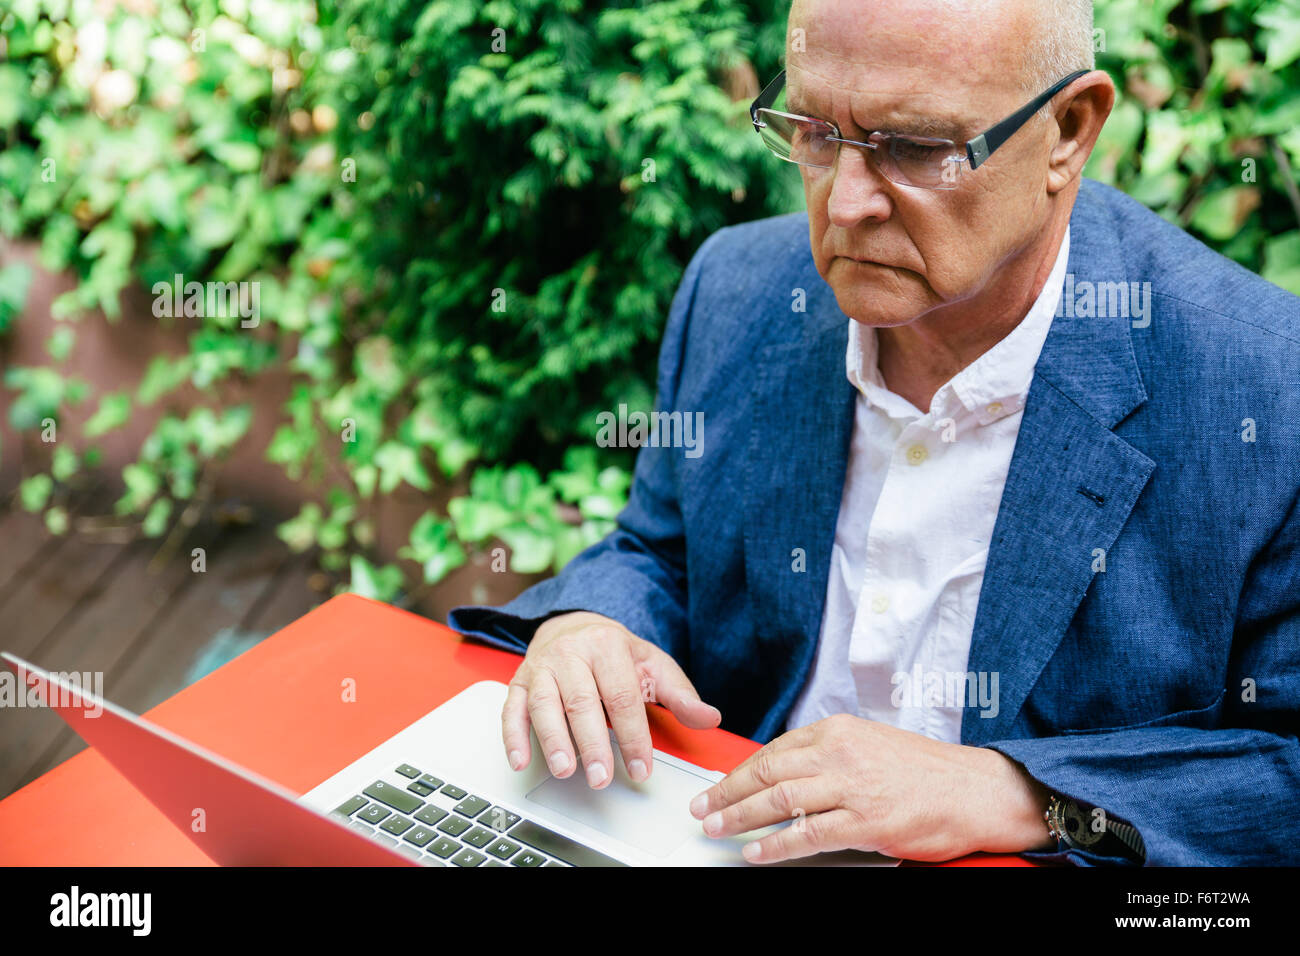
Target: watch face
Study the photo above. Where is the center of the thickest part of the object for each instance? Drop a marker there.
(1079, 826)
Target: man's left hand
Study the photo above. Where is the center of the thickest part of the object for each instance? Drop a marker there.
(850, 783)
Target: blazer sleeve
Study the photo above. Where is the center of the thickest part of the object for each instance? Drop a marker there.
(1223, 796)
(637, 574)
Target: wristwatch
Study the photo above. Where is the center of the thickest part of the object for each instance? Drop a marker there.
(1091, 829)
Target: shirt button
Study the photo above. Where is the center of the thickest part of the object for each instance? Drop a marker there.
(880, 603)
(917, 454)
(995, 408)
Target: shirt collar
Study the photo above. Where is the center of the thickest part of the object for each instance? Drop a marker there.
(993, 386)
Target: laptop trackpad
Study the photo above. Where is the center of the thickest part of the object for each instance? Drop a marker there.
(653, 816)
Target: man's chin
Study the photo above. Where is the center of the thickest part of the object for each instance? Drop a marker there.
(875, 308)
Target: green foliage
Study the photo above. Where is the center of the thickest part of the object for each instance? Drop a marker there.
(466, 222)
(1206, 130)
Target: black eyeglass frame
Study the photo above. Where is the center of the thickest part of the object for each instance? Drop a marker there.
(978, 150)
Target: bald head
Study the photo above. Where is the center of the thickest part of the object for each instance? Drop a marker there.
(1033, 43)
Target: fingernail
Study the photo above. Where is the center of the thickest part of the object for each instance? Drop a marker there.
(700, 805)
(752, 852)
(713, 823)
(596, 774)
(516, 759)
(637, 770)
(559, 762)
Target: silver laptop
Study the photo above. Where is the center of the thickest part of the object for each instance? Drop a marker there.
(438, 793)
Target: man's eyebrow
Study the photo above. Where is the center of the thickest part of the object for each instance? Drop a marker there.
(931, 127)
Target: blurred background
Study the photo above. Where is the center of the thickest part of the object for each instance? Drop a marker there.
(461, 223)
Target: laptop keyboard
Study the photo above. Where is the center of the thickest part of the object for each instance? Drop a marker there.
(440, 824)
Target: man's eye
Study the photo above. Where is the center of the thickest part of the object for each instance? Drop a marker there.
(810, 135)
(904, 147)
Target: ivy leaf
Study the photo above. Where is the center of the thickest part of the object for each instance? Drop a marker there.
(56, 520)
(35, 491)
(14, 281)
(299, 532)
(475, 519)
(155, 522)
(397, 463)
(63, 464)
(530, 551)
(113, 411)
(380, 584)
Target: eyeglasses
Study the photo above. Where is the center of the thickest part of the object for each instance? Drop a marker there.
(906, 160)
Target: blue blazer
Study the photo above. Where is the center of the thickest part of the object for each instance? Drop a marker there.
(1164, 688)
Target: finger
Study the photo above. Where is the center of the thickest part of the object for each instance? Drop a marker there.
(817, 833)
(668, 684)
(586, 716)
(793, 799)
(620, 691)
(514, 726)
(761, 771)
(546, 711)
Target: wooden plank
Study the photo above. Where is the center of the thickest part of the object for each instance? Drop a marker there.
(50, 592)
(289, 598)
(22, 536)
(241, 566)
(94, 641)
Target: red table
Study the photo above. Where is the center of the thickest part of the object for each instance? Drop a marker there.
(275, 710)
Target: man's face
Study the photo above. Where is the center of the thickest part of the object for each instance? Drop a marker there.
(944, 69)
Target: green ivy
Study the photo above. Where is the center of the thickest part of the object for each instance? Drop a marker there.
(467, 222)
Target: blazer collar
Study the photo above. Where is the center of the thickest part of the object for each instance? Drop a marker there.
(1071, 485)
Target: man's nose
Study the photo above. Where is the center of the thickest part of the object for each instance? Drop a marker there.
(858, 190)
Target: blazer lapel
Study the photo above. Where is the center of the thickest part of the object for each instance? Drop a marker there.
(799, 442)
(1071, 486)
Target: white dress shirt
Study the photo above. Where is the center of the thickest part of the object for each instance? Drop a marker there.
(921, 494)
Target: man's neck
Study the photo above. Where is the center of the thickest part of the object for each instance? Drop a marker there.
(917, 359)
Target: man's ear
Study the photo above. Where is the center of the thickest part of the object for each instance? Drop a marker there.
(1080, 115)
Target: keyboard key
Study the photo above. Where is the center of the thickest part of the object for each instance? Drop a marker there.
(420, 836)
(499, 819)
(468, 858)
(373, 813)
(443, 847)
(472, 806)
(431, 814)
(454, 825)
(397, 824)
(363, 828)
(387, 793)
(561, 847)
(432, 860)
(406, 770)
(528, 858)
(453, 791)
(478, 837)
(410, 851)
(416, 787)
(493, 863)
(385, 840)
(503, 849)
(429, 780)
(349, 807)
(552, 863)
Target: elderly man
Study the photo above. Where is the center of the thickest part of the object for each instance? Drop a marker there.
(1027, 579)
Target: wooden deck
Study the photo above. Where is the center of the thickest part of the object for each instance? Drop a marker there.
(136, 612)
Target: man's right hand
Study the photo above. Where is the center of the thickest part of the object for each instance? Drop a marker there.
(579, 667)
